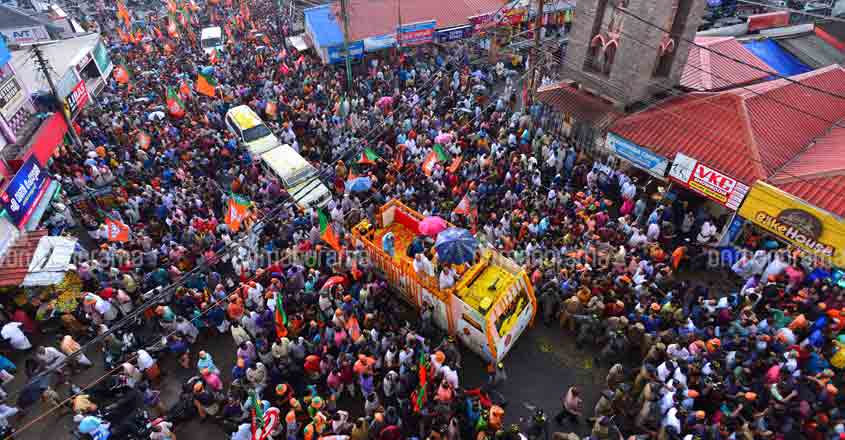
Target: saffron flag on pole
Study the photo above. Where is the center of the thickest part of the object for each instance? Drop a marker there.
(144, 140)
(116, 230)
(174, 104)
(206, 84)
(429, 163)
(463, 207)
(281, 317)
(236, 212)
(456, 163)
(327, 231)
(121, 75)
(184, 89)
(369, 157)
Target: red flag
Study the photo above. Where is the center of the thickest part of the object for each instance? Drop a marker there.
(116, 230)
(284, 68)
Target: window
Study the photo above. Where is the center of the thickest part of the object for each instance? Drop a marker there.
(212, 42)
(257, 132)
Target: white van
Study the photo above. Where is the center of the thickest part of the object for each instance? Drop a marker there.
(211, 38)
(250, 130)
(300, 178)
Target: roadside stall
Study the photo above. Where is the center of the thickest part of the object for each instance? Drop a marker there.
(719, 194)
(491, 302)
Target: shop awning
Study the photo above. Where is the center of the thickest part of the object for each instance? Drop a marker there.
(50, 261)
(14, 266)
(568, 100)
(298, 42)
(47, 139)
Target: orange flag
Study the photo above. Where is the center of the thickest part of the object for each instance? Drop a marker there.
(116, 230)
(236, 212)
(456, 163)
(185, 89)
(429, 163)
(144, 140)
(121, 75)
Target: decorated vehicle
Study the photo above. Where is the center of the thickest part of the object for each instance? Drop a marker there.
(491, 301)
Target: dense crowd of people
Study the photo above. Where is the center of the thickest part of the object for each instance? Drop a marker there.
(685, 360)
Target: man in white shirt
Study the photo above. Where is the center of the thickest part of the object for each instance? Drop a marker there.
(422, 265)
(447, 278)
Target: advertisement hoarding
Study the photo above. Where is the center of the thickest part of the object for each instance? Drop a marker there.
(707, 181)
(640, 157)
(24, 191)
(12, 97)
(414, 34)
(453, 33)
(76, 100)
(796, 222)
(336, 53)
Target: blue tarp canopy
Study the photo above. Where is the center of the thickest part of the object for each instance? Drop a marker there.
(324, 26)
(775, 56)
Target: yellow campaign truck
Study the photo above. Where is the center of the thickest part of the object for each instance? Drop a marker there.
(491, 303)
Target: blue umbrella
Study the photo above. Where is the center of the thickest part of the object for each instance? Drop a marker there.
(455, 246)
(359, 184)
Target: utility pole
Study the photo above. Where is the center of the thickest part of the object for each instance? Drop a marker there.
(44, 65)
(535, 54)
(344, 4)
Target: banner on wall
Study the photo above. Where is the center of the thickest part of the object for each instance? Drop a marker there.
(707, 181)
(24, 191)
(76, 100)
(640, 157)
(453, 33)
(379, 42)
(796, 222)
(336, 53)
(415, 34)
(12, 97)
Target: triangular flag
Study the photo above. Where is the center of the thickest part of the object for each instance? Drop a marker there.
(206, 84)
(429, 163)
(327, 231)
(174, 104)
(281, 317)
(463, 206)
(116, 230)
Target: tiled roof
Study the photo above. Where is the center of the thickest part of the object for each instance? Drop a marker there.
(748, 132)
(15, 264)
(584, 107)
(707, 70)
(818, 174)
(369, 18)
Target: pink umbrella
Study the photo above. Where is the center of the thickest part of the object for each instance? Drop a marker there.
(443, 138)
(385, 101)
(432, 226)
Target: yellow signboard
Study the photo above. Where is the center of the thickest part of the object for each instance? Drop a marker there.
(796, 222)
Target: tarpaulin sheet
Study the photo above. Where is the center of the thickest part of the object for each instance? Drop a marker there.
(775, 56)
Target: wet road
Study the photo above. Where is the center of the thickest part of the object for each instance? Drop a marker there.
(540, 367)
